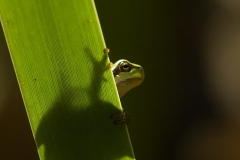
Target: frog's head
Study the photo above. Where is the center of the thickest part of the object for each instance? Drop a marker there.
(127, 75)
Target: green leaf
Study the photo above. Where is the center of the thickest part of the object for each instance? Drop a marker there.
(68, 89)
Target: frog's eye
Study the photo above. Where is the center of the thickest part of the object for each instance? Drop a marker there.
(124, 67)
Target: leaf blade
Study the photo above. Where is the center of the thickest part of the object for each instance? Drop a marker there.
(69, 93)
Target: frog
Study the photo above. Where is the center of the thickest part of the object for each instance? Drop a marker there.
(127, 76)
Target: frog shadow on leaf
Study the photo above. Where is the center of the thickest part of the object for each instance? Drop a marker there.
(81, 132)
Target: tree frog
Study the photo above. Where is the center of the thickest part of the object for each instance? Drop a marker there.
(127, 75)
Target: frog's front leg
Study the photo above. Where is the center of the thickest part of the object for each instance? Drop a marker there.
(120, 118)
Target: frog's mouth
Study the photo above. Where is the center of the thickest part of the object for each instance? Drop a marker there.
(132, 82)
(126, 85)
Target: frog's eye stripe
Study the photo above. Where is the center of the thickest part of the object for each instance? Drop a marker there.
(124, 67)
(116, 72)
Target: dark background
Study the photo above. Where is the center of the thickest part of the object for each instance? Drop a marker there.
(188, 105)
